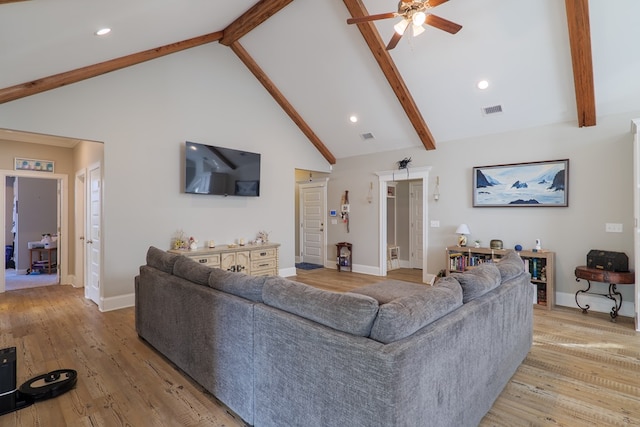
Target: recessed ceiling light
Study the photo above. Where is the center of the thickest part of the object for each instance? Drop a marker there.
(103, 31)
(353, 119)
(483, 84)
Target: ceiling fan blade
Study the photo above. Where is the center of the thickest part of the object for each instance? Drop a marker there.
(443, 24)
(394, 40)
(434, 3)
(371, 18)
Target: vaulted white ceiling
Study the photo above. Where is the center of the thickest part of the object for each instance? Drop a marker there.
(326, 71)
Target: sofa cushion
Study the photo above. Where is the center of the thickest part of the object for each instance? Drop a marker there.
(349, 313)
(191, 270)
(510, 265)
(239, 284)
(478, 281)
(408, 307)
(161, 260)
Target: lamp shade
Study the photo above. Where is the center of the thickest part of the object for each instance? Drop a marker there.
(401, 26)
(463, 229)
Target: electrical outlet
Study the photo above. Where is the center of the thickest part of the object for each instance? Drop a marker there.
(613, 228)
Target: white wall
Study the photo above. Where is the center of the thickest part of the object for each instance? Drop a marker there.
(600, 191)
(143, 115)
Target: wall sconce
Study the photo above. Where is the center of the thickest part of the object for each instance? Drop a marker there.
(370, 195)
(463, 231)
(436, 191)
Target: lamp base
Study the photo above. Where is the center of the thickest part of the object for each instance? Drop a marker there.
(462, 240)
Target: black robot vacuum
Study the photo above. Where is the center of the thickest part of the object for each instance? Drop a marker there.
(39, 388)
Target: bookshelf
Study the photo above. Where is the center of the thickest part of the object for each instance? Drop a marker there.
(540, 264)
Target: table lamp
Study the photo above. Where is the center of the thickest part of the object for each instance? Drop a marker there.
(463, 231)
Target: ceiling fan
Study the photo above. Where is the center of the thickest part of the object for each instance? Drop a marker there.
(415, 13)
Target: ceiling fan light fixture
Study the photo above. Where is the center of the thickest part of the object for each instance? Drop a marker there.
(418, 18)
(401, 26)
(417, 30)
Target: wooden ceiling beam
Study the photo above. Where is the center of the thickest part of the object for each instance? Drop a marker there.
(580, 41)
(58, 80)
(378, 49)
(251, 64)
(249, 20)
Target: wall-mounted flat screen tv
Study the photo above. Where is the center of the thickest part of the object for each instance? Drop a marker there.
(221, 171)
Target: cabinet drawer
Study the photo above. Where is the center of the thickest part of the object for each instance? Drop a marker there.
(267, 272)
(209, 260)
(262, 264)
(263, 253)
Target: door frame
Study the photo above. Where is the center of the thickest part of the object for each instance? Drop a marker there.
(635, 130)
(306, 184)
(80, 215)
(63, 218)
(384, 177)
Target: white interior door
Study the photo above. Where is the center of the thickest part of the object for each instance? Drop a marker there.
(93, 253)
(312, 222)
(416, 232)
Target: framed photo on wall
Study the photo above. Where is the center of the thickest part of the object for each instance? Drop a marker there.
(535, 184)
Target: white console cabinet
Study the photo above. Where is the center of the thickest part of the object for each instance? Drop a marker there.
(256, 260)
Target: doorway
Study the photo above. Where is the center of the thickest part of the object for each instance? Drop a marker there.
(421, 177)
(59, 183)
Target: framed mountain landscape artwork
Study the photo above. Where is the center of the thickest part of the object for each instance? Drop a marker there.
(536, 184)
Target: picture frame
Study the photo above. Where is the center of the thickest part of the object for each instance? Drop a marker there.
(533, 184)
(21, 164)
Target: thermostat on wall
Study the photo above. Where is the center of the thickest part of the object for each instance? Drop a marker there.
(332, 212)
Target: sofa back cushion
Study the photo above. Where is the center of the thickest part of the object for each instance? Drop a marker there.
(349, 313)
(239, 284)
(478, 281)
(510, 265)
(161, 260)
(408, 307)
(191, 270)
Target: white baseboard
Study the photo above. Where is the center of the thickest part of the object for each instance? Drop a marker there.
(287, 272)
(596, 303)
(116, 303)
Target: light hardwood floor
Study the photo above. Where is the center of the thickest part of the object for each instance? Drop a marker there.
(583, 370)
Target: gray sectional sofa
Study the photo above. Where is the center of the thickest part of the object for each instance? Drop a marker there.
(280, 353)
